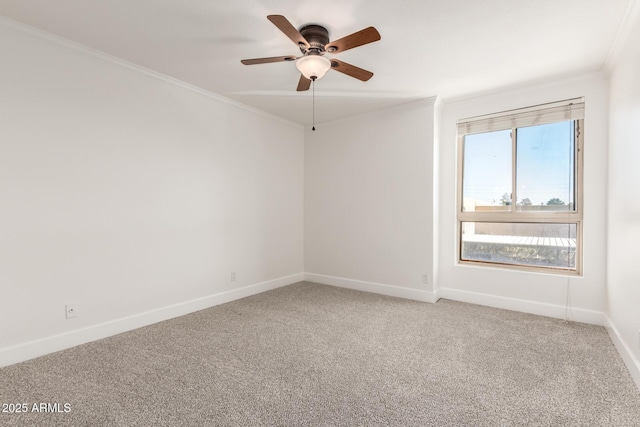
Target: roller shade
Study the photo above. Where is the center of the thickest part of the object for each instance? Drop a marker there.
(571, 109)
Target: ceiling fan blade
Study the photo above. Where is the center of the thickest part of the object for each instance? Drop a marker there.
(289, 30)
(266, 60)
(303, 84)
(351, 70)
(368, 35)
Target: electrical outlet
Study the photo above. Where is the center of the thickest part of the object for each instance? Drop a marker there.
(71, 310)
(234, 276)
(425, 278)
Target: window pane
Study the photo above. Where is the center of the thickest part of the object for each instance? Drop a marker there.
(545, 167)
(487, 171)
(530, 244)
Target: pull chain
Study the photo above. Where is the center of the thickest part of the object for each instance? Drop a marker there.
(313, 90)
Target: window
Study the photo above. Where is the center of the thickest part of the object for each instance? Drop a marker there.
(520, 186)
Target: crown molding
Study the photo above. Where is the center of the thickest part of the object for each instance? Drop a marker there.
(629, 20)
(78, 47)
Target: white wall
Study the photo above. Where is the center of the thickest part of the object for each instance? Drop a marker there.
(538, 293)
(135, 197)
(132, 196)
(369, 201)
(623, 274)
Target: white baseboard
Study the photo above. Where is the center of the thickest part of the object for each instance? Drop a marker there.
(625, 352)
(533, 307)
(377, 288)
(31, 349)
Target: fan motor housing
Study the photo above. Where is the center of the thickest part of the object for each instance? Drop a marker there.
(316, 35)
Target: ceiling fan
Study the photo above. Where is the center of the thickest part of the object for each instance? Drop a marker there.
(313, 41)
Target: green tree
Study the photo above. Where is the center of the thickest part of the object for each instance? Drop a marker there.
(555, 202)
(505, 200)
(525, 202)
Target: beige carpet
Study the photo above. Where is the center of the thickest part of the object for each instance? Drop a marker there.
(310, 354)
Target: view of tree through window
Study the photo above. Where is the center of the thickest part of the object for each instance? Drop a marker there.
(545, 166)
(519, 203)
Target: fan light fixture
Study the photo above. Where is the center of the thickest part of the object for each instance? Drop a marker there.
(313, 67)
(313, 42)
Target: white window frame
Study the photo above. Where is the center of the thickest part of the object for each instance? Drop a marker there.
(572, 109)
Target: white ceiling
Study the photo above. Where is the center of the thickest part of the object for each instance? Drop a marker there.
(449, 48)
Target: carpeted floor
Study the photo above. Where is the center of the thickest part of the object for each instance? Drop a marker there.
(309, 354)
